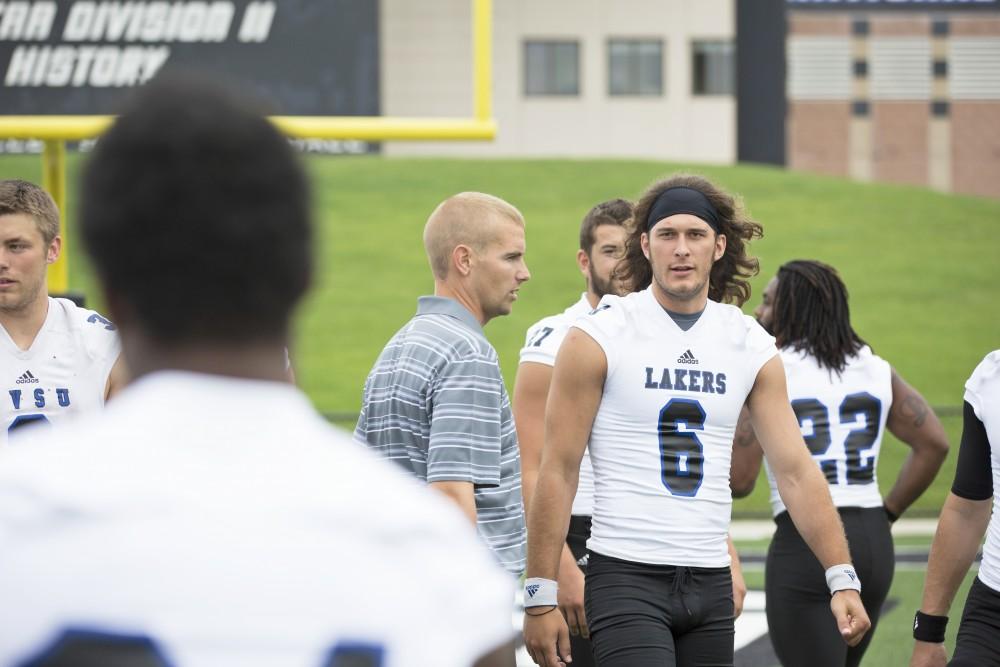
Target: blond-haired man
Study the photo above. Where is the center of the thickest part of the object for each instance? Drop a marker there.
(435, 401)
(58, 359)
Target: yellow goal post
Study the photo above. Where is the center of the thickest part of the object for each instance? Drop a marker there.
(54, 131)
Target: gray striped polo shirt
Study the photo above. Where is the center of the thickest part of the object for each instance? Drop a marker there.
(435, 403)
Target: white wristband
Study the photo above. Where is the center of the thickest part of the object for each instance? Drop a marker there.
(842, 578)
(540, 592)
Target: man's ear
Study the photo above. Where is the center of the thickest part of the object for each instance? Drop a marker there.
(52, 252)
(583, 262)
(720, 246)
(462, 259)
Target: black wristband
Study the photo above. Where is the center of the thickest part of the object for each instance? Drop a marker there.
(890, 515)
(928, 628)
(527, 613)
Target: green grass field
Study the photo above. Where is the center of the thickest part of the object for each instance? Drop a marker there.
(922, 268)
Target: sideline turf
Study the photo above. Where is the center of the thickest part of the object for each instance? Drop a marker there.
(893, 642)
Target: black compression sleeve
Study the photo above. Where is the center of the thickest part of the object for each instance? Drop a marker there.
(973, 473)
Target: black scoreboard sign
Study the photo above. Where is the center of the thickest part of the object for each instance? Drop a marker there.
(303, 57)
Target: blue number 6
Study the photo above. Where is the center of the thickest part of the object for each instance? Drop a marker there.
(682, 456)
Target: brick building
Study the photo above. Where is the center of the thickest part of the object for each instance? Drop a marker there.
(901, 92)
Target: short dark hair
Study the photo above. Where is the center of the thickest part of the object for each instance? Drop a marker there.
(196, 213)
(611, 212)
(810, 314)
(729, 280)
(17, 196)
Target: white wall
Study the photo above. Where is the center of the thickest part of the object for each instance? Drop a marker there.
(426, 65)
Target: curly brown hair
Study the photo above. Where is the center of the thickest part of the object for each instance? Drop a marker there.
(728, 282)
(811, 314)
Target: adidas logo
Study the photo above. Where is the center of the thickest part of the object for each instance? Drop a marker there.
(851, 575)
(26, 378)
(687, 358)
(531, 590)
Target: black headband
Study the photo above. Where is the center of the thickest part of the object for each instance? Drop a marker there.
(683, 200)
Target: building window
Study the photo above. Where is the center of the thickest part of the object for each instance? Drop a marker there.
(900, 68)
(819, 68)
(974, 68)
(714, 67)
(635, 67)
(551, 68)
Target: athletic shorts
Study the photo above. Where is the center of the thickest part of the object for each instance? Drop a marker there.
(978, 642)
(802, 628)
(643, 615)
(576, 538)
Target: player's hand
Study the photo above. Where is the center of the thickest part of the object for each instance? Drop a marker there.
(571, 600)
(852, 619)
(547, 639)
(739, 592)
(926, 654)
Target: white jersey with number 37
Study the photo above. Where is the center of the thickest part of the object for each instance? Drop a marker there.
(662, 440)
(540, 347)
(842, 418)
(63, 373)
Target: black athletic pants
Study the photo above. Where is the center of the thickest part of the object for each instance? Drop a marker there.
(643, 615)
(978, 642)
(799, 621)
(576, 538)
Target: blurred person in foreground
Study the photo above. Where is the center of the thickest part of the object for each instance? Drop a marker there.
(653, 382)
(844, 397)
(210, 516)
(58, 360)
(971, 509)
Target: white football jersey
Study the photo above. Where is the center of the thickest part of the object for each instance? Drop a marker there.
(64, 373)
(982, 392)
(540, 347)
(662, 439)
(228, 522)
(842, 420)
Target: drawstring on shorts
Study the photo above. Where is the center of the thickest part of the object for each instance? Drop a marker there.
(682, 585)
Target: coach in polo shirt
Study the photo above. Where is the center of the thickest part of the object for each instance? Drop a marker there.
(435, 402)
